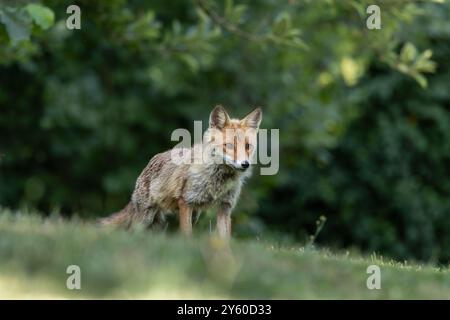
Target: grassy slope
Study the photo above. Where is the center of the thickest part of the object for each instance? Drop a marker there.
(34, 255)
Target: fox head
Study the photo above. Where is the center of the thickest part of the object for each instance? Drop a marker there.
(233, 141)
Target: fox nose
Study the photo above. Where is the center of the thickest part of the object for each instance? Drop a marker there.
(245, 164)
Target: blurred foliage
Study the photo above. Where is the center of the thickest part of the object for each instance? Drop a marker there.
(117, 264)
(363, 114)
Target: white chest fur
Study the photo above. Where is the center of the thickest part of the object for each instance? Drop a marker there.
(208, 185)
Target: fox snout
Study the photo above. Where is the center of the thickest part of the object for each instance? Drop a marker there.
(232, 156)
(236, 164)
(244, 165)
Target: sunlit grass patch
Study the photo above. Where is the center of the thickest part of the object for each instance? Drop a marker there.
(35, 254)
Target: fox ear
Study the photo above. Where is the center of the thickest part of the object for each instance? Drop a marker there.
(218, 118)
(253, 119)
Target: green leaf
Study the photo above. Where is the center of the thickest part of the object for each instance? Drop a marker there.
(282, 24)
(237, 14)
(420, 79)
(233, 13)
(228, 8)
(17, 23)
(424, 64)
(408, 53)
(190, 61)
(427, 54)
(146, 27)
(402, 68)
(41, 15)
(359, 7)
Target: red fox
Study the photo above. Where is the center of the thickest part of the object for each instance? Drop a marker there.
(212, 176)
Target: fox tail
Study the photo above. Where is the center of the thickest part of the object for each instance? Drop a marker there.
(122, 218)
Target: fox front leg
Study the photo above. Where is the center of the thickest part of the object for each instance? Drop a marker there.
(185, 212)
(224, 221)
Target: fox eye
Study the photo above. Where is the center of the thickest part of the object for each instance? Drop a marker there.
(247, 146)
(229, 146)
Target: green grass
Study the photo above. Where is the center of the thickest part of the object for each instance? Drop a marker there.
(34, 255)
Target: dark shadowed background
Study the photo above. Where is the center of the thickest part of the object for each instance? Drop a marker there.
(363, 114)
